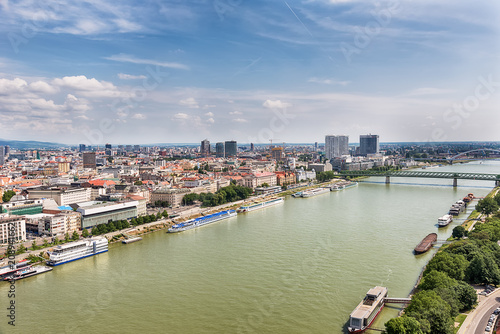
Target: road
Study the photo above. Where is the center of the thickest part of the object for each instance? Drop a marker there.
(477, 320)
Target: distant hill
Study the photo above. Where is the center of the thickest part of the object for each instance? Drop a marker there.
(29, 144)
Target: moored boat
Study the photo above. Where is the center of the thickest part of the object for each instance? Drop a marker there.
(10, 269)
(367, 311)
(445, 220)
(314, 192)
(73, 251)
(130, 240)
(27, 272)
(256, 206)
(426, 243)
(198, 222)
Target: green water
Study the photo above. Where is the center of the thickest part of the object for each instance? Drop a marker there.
(299, 267)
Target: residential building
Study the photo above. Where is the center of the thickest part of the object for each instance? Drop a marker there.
(257, 179)
(141, 206)
(285, 178)
(303, 175)
(8, 224)
(336, 146)
(63, 196)
(368, 144)
(326, 167)
(89, 160)
(172, 196)
(278, 153)
(230, 148)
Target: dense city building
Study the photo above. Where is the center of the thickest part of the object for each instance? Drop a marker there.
(230, 148)
(205, 147)
(336, 146)
(219, 150)
(89, 160)
(368, 144)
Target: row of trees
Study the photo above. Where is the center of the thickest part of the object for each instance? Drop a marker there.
(325, 176)
(445, 290)
(489, 205)
(121, 224)
(224, 195)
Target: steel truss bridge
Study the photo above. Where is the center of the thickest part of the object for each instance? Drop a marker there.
(432, 175)
(464, 156)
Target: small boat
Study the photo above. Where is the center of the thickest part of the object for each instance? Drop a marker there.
(297, 194)
(27, 272)
(426, 243)
(130, 240)
(365, 313)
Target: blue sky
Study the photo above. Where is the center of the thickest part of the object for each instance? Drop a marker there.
(180, 71)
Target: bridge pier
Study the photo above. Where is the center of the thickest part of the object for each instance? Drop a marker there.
(387, 179)
(455, 182)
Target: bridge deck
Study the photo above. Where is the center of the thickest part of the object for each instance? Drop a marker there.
(439, 175)
(397, 300)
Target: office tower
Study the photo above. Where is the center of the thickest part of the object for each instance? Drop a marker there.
(219, 150)
(89, 160)
(82, 147)
(108, 146)
(252, 147)
(137, 148)
(368, 144)
(316, 146)
(6, 150)
(230, 148)
(336, 146)
(205, 147)
(2, 155)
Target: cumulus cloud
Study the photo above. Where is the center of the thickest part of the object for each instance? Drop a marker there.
(235, 113)
(88, 87)
(328, 81)
(210, 121)
(189, 102)
(180, 116)
(240, 120)
(207, 106)
(209, 114)
(139, 116)
(276, 104)
(124, 76)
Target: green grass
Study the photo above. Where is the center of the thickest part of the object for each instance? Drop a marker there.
(460, 319)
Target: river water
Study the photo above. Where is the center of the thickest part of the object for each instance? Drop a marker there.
(299, 267)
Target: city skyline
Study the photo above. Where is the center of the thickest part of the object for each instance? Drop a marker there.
(250, 71)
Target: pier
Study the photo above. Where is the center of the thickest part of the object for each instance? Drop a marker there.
(390, 300)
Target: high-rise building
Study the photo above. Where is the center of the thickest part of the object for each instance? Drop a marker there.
(137, 148)
(219, 150)
(6, 149)
(252, 147)
(89, 160)
(82, 147)
(205, 147)
(368, 144)
(278, 153)
(230, 148)
(2, 155)
(336, 146)
(108, 146)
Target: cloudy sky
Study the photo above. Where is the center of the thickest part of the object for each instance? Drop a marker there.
(139, 72)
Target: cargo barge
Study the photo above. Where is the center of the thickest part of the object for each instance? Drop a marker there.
(426, 243)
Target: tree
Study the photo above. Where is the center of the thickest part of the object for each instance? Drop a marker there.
(75, 236)
(45, 243)
(189, 199)
(164, 214)
(21, 249)
(55, 241)
(265, 185)
(431, 311)
(454, 265)
(487, 205)
(403, 325)
(497, 198)
(435, 280)
(6, 197)
(85, 233)
(138, 183)
(483, 269)
(33, 245)
(95, 231)
(66, 237)
(458, 232)
(466, 295)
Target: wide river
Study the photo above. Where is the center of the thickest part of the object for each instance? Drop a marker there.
(300, 267)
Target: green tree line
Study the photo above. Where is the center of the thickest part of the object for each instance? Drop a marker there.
(224, 195)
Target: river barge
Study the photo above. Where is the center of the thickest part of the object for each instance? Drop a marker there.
(261, 205)
(73, 251)
(367, 311)
(11, 269)
(445, 220)
(314, 192)
(426, 243)
(201, 221)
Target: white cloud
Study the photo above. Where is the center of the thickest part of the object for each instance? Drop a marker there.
(16, 85)
(138, 116)
(207, 106)
(429, 91)
(131, 59)
(210, 114)
(240, 120)
(328, 81)
(235, 113)
(43, 87)
(88, 87)
(276, 104)
(210, 121)
(190, 102)
(181, 116)
(124, 76)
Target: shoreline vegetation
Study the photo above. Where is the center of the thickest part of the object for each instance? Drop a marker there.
(444, 294)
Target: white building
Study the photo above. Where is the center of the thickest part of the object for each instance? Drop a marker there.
(13, 227)
(62, 196)
(336, 146)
